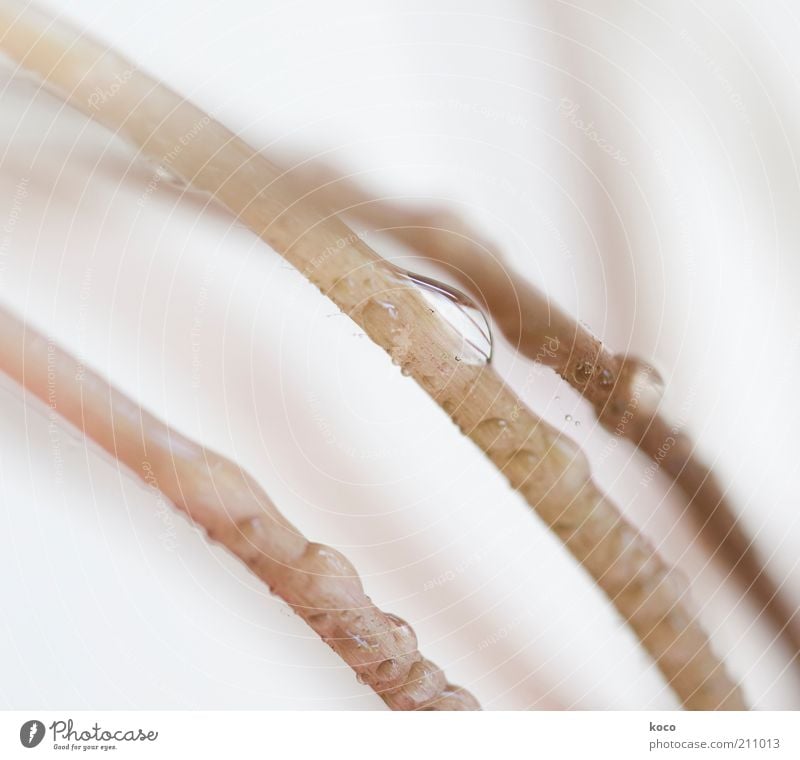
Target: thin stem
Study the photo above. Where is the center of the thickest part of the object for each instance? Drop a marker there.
(623, 391)
(548, 470)
(318, 582)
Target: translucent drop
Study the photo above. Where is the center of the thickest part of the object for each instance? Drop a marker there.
(494, 430)
(461, 312)
(568, 418)
(387, 669)
(525, 459)
(164, 175)
(606, 378)
(643, 381)
(583, 372)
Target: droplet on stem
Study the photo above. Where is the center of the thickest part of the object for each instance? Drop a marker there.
(461, 312)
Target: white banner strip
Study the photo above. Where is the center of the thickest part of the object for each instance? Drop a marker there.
(383, 736)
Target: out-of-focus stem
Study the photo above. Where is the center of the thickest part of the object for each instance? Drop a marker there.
(315, 580)
(548, 470)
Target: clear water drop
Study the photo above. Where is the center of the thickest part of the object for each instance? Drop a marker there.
(461, 312)
(606, 378)
(494, 431)
(524, 459)
(643, 381)
(165, 175)
(568, 417)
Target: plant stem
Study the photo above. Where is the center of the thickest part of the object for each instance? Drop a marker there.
(320, 584)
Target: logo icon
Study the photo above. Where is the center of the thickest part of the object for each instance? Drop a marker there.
(31, 733)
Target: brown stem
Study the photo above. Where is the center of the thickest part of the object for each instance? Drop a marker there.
(622, 390)
(320, 584)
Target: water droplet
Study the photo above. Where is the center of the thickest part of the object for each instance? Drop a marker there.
(165, 175)
(576, 468)
(641, 381)
(387, 669)
(568, 417)
(606, 378)
(524, 459)
(577, 423)
(461, 312)
(319, 621)
(493, 430)
(583, 372)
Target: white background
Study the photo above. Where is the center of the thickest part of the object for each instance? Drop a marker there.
(682, 248)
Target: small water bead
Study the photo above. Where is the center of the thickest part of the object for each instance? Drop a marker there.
(402, 633)
(642, 381)
(576, 466)
(324, 562)
(388, 670)
(454, 698)
(524, 459)
(494, 431)
(164, 175)
(362, 643)
(606, 378)
(449, 406)
(583, 372)
(568, 417)
(320, 621)
(460, 312)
